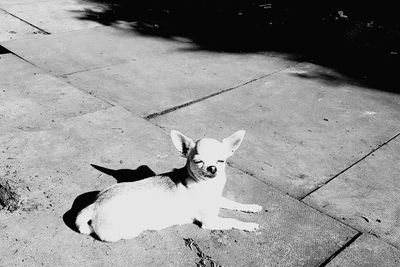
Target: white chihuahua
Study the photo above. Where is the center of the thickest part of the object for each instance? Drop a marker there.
(191, 194)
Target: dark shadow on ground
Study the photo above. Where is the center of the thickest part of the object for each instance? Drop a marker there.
(360, 42)
(84, 200)
(127, 175)
(121, 175)
(81, 202)
(4, 50)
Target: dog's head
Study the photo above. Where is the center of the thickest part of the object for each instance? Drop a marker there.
(207, 157)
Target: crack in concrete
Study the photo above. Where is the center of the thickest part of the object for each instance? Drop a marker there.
(30, 24)
(349, 167)
(203, 258)
(48, 127)
(252, 175)
(27, 61)
(169, 110)
(337, 252)
(328, 215)
(64, 75)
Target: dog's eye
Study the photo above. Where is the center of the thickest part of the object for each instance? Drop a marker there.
(221, 161)
(199, 163)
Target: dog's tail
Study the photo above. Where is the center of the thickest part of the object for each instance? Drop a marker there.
(83, 220)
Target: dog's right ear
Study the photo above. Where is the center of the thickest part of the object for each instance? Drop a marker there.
(233, 142)
(182, 142)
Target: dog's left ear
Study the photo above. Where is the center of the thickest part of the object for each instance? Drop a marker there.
(233, 142)
(182, 142)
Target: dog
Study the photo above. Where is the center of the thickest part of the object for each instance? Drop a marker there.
(192, 194)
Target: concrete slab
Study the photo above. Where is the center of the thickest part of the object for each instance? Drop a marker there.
(31, 99)
(291, 233)
(52, 169)
(367, 251)
(111, 137)
(17, 2)
(155, 83)
(367, 195)
(52, 16)
(87, 49)
(300, 131)
(84, 50)
(13, 28)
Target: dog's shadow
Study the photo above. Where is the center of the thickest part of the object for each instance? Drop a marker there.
(84, 200)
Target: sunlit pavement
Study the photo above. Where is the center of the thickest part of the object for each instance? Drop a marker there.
(321, 152)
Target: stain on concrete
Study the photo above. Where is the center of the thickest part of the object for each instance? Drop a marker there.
(9, 198)
(204, 260)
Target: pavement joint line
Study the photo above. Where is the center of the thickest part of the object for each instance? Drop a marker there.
(64, 75)
(47, 127)
(337, 252)
(65, 81)
(27, 61)
(155, 124)
(104, 99)
(45, 71)
(169, 110)
(359, 231)
(292, 197)
(97, 110)
(349, 167)
(330, 216)
(254, 176)
(30, 24)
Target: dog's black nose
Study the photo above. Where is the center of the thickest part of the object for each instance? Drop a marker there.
(212, 169)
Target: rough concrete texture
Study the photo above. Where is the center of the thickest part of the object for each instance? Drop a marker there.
(4, 3)
(367, 250)
(77, 51)
(78, 95)
(300, 131)
(74, 52)
(175, 78)
(367, 196)
(12, 28)
(48, 16)
(9, 198)
(53, 167)
(31, 99)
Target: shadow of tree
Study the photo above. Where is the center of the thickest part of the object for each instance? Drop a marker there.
(359, 42)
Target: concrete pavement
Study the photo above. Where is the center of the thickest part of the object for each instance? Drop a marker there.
(321, 152)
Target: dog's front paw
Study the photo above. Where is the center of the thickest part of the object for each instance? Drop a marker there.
(251, 227)
(253, 208)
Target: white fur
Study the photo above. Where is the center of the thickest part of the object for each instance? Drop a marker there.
(124, 210)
